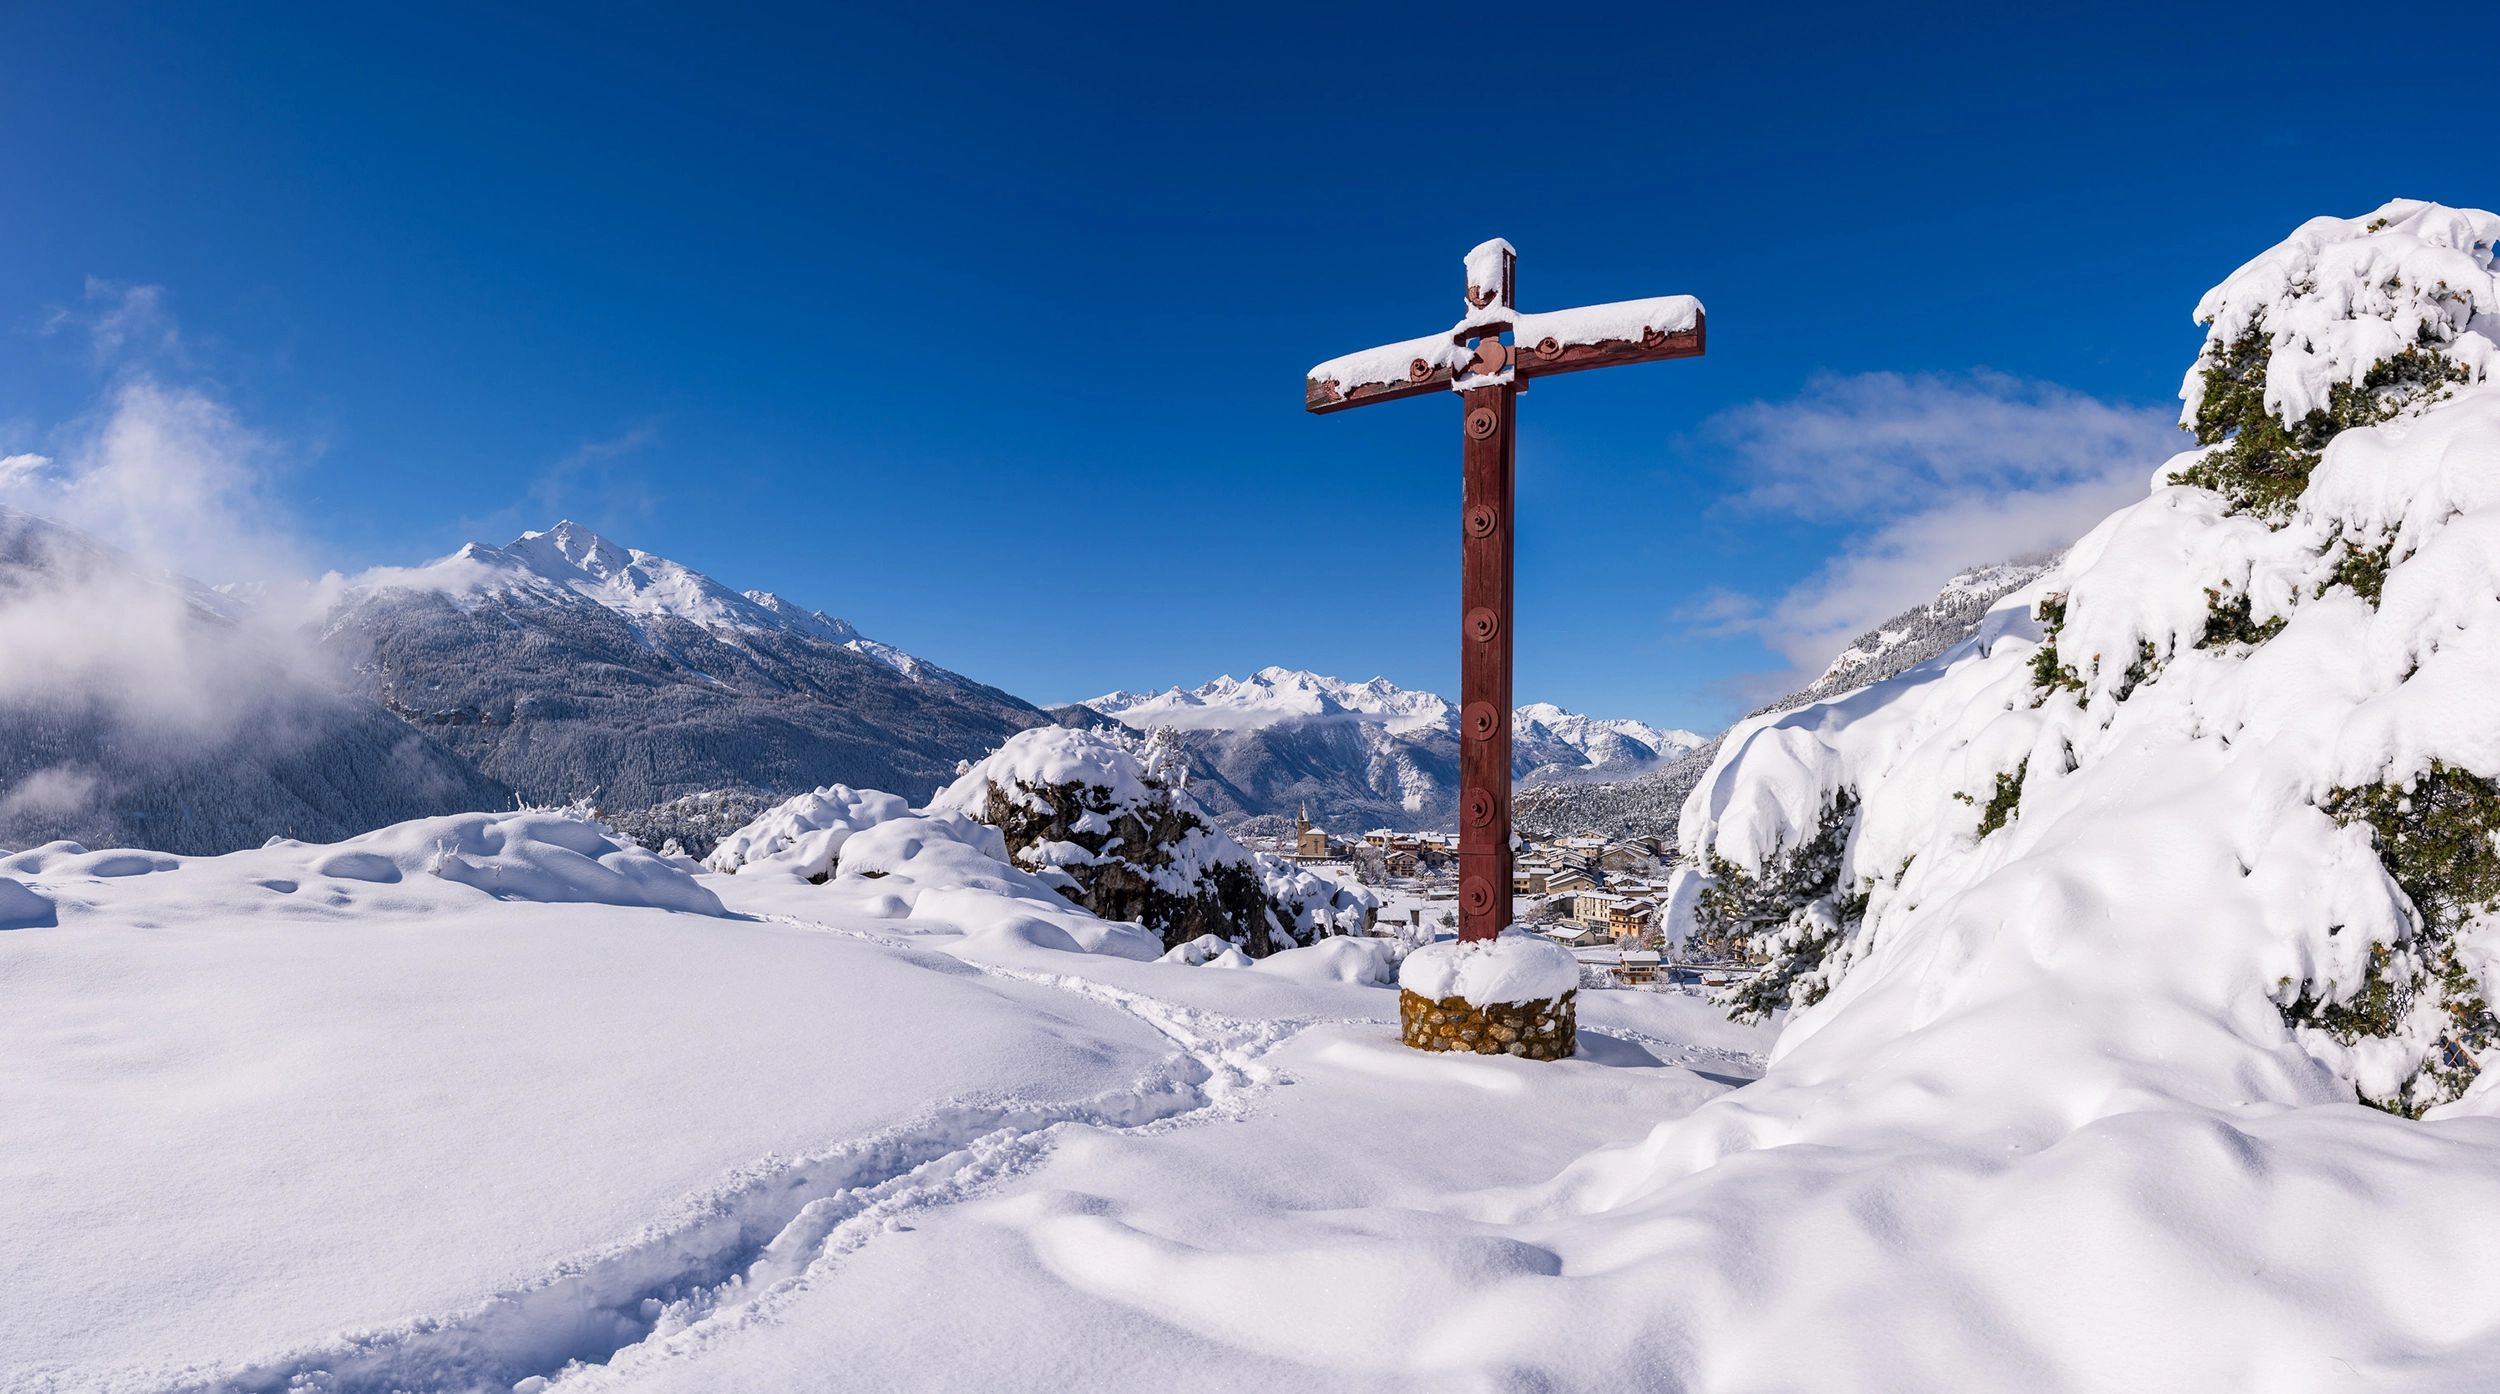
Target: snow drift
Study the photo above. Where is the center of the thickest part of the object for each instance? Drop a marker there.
(546, 856)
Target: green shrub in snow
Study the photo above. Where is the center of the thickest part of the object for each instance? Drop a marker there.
(2439, 838)
(2264, 462)
(1789, 917)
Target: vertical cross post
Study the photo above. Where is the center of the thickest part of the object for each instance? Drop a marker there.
(1489, 414)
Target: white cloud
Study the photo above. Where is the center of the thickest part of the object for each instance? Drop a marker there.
(1928, 475)
(56, 790)
(170, 473)
(173, 483)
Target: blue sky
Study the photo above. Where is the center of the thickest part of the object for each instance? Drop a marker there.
(984, 329)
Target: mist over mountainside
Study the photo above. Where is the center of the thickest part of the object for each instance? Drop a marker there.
(1651, 804)
(570, 667)
(161, 713)
(139, 709)
(1371, 754)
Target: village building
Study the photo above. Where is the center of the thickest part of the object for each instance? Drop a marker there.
(1626, 858)
(1568, 879)
(1591, 907)
(1630, 918)
(1309, 844)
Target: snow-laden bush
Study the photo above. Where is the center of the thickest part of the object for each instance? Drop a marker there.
(2235, 754)
(1788, 915)
(1107, 820)
(803, 835)
(1311, 906)
(2348, 322)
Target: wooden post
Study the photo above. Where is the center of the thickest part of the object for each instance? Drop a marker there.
(1489, 415)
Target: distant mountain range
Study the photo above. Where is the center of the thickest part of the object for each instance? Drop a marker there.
(1652, 804)
(563, 666)
(1371, 754)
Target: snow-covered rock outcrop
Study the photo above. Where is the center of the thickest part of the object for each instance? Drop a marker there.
(2207, 814)
(1114, 828)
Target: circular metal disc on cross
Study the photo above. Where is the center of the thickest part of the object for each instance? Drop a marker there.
(1488, 374)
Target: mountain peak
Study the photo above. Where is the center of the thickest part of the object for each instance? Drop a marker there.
(570, 564)
(569, 544)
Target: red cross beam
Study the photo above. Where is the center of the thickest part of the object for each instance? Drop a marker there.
(1488, 372)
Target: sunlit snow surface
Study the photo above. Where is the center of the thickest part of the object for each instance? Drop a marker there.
(356, 1117)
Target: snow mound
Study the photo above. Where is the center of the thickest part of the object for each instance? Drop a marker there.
(21, 908)
(535, 855)
(1207, 951)
(545, 856)
(1362, 962)
(1511, 968)
(802, 836)
(948, 868)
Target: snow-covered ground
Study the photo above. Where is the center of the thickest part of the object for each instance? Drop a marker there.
(468, 1100)
(421, 1111)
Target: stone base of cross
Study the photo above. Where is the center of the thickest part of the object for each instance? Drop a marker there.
(1488, 359)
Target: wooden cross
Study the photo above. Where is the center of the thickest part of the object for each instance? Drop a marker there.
(1488, 374)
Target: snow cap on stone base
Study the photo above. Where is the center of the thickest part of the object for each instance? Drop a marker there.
(1516, 967)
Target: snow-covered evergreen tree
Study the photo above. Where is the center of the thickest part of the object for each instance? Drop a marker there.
(2303, 603)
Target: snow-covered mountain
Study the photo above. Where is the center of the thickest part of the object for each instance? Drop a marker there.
(1604, 747)
(143, 709)
(1650, 802)
(569, 563)
(1369, 753)
(1921, 632)
(1274, 696)
(570, 666)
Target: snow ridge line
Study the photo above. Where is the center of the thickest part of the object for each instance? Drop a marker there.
(736, 1254)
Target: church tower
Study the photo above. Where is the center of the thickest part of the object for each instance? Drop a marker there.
(1309, 843)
